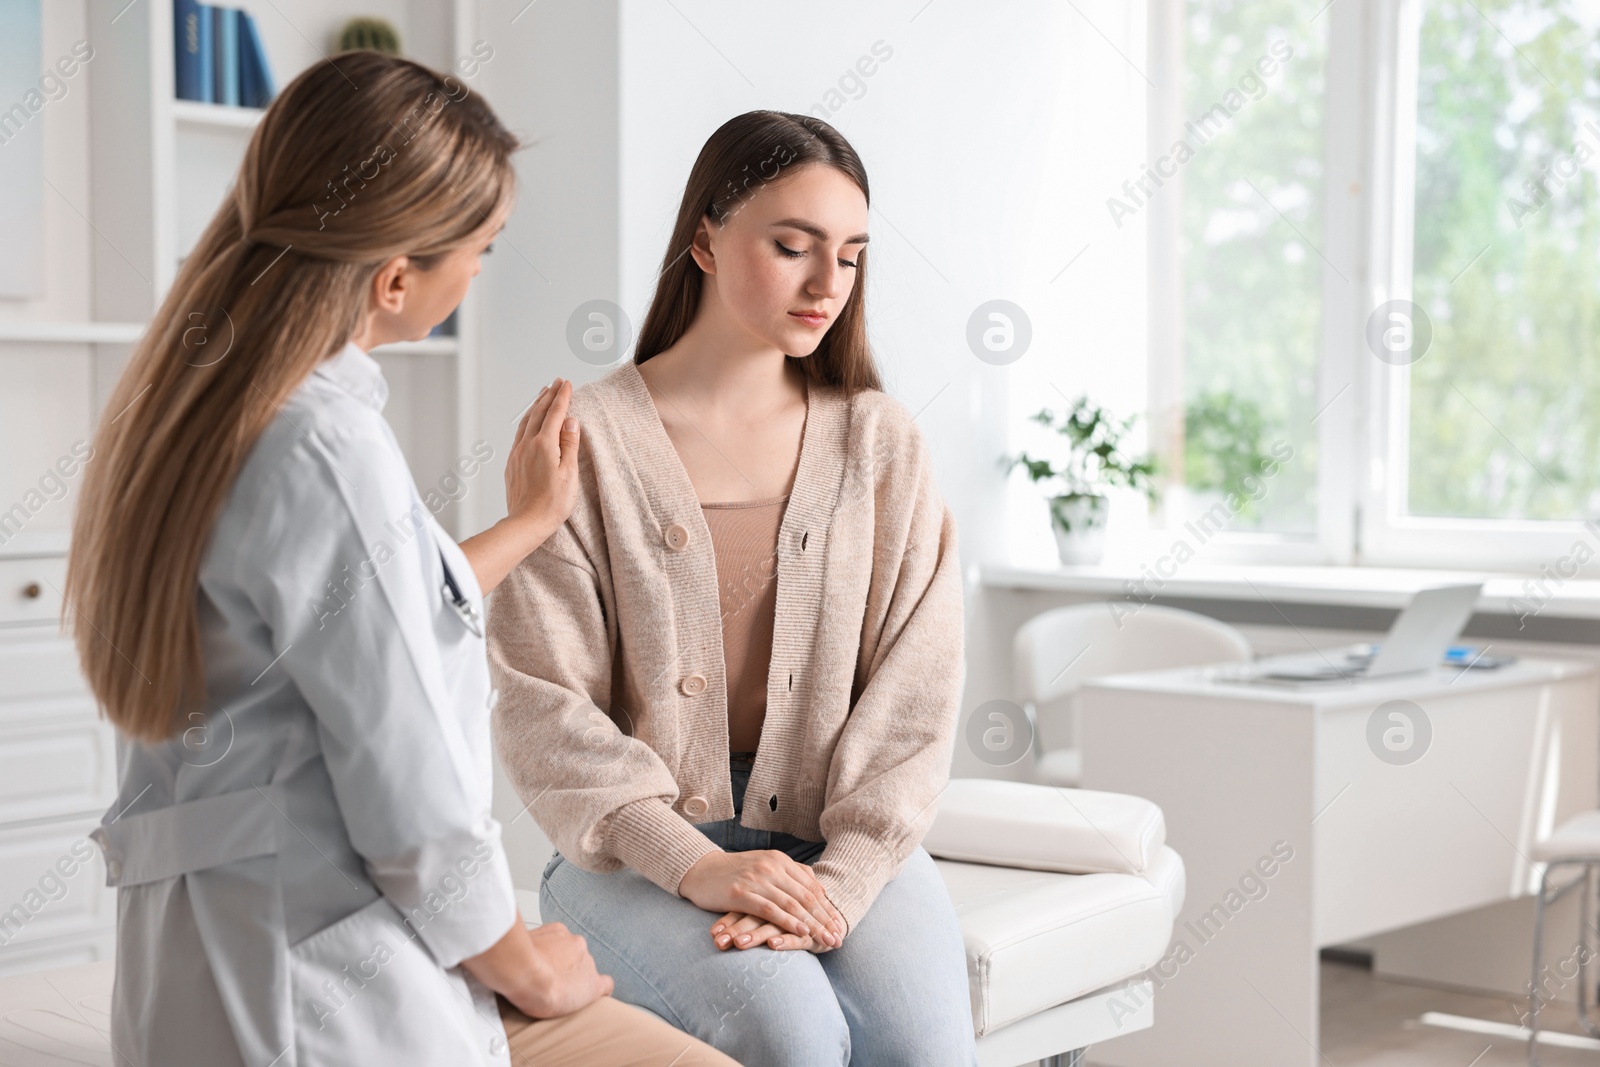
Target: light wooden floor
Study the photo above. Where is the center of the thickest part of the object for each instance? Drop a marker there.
(1367, 1022)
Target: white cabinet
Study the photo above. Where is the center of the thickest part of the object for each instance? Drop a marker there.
(57, 777)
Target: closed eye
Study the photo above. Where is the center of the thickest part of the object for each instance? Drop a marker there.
(793, 254)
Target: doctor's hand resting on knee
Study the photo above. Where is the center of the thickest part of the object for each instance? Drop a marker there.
(292, 647)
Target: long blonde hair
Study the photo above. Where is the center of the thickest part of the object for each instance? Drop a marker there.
(360, 159)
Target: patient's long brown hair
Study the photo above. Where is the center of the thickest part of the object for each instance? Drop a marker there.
(745, 154)
(360, 159)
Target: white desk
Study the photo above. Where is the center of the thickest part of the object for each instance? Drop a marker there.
(1241, 769)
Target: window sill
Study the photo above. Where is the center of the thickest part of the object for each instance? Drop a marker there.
(1365, 587)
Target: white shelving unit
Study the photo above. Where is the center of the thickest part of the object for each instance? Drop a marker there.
(135, 175)
(159, 181)
(83, 333)
(191, 113)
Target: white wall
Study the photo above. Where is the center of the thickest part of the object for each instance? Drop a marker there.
(554, 81)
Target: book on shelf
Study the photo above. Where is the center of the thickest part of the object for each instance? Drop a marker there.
(219, 56)
(225, 35)
(192, 41)
(255, 77)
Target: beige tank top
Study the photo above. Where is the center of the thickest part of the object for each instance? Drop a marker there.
(744, 538)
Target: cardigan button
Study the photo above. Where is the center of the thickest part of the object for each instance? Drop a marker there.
(677, 537)
(696, 806)
(694, 684)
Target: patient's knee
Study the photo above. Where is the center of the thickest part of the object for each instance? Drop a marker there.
(777, 1008)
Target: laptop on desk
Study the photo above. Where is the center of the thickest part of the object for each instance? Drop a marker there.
(1417, 641)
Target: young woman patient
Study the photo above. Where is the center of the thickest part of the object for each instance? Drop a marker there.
(729, 683)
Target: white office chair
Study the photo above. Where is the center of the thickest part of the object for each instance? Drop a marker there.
(1575, 843)
(1056, 651)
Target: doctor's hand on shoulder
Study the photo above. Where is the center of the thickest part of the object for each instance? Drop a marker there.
(541, 487)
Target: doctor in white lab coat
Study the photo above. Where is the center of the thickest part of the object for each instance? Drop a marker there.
(338, 787)
(308, 871)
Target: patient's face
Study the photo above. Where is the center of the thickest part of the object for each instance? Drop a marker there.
(791, 247)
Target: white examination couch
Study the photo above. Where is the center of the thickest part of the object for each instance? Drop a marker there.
(1066, 898)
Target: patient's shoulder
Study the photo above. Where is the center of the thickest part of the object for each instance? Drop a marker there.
(607, 419)
(612, 409)
(877, 411)
(619, 390)
(884, 434)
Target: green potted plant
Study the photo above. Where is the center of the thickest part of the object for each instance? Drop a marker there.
(370, 35)
(1224, 451)
(1094, 463)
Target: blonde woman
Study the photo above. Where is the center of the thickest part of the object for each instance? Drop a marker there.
(730, 681)
(291, 646)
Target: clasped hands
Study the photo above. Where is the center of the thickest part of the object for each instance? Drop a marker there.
(765, 897)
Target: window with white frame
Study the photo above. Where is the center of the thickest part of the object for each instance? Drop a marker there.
(1485, 435)
(1383, 262)
(1236, 129)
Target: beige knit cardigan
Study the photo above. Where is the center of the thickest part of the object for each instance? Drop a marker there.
(606, 647)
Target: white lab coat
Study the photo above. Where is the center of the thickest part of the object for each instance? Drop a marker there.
(340, 782)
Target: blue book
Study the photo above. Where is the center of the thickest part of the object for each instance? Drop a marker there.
(255, 77)
(192, 48)
(226, 40)
(247, 80)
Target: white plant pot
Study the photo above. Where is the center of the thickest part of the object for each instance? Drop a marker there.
(1079, 523)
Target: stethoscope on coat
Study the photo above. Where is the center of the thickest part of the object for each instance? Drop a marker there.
(469, 614)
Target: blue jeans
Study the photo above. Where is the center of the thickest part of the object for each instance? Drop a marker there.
(895, 992)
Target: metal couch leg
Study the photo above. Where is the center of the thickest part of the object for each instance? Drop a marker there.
(1584, 941)
(1538, 961)
(1064, 1059)
(1546, 897)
